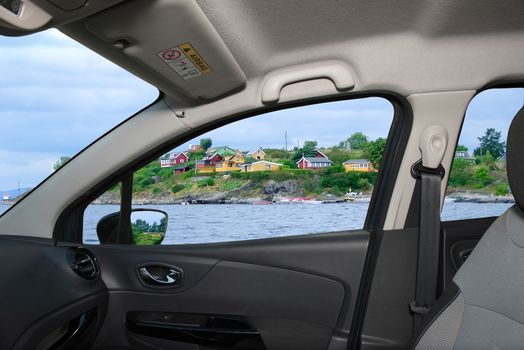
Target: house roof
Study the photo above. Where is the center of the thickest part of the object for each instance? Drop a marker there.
(316, 159)
(354, 161)
(317, 150)
(256, 150)
(168, 156)
(467, 155)
(221, 150)
(265, 161)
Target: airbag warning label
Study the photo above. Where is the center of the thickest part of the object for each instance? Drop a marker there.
(185, 61)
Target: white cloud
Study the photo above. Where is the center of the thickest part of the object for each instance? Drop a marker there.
(57, 96)
(28, 168)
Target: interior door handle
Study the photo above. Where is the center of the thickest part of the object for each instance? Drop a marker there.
(160, 275)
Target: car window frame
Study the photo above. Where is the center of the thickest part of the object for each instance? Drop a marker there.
(490, 86)
(69, 226)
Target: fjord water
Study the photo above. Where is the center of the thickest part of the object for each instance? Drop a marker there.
(206, 223)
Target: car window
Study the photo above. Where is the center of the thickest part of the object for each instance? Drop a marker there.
(478, 185)
(297, 171)
(53, 105)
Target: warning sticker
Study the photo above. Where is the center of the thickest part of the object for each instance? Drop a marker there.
(185, 61)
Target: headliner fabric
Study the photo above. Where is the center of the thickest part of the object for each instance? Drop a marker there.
(514, 158)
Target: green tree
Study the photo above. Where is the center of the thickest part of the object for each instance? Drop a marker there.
(338, 156)
(462, 148)
(60, 162)
(310, 145)
(461, 173)
(489, 161)
(502, 189)
(308, 150)
(374, 151)
(490, 142)
(206, 143)
(482, 177)
(358, 140)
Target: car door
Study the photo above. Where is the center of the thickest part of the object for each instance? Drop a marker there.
(305, 291)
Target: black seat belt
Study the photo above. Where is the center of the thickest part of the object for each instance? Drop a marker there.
(429, 238)
(430, 172)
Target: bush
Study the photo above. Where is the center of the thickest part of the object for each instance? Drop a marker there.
(461, 173)
(309, 185)
(230, 185)
(282, 175)
(206, 182)
(482, 177)
(177, 188)
(145, 182)
(165, 173)
(340, 182)
(502, 189)
(187, 174)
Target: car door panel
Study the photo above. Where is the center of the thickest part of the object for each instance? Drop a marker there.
(296, 292)
(44, 302)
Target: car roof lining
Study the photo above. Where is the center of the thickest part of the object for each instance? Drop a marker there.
(407, 47)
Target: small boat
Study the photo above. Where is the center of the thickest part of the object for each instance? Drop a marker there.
(357, 197)
(263, 202)
(5, 197)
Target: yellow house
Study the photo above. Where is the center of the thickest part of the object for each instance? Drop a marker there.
(230, 163)
(259, 154)
(361, 165)
(262, 165)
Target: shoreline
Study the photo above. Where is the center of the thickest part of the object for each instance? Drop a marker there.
(458, 197)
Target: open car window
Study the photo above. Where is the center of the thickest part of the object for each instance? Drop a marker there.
(301, 170)
(478, 184)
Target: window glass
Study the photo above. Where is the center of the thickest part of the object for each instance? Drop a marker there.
(478, 185)
(56, 96)
(282, 173)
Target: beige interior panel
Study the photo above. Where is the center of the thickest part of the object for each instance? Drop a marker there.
(154, 33)
(446, 109)
(37, 215)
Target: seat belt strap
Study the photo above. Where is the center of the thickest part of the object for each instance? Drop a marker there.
(432, 145)
(428, 247)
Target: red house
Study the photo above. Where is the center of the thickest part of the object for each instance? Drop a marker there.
(318, 161)
(207, 165)
(173, 159)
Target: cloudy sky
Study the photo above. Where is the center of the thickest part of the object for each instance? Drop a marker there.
(56, 97)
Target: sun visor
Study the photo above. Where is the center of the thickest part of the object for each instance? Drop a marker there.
(175, 40)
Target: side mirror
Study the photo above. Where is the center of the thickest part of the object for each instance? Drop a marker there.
(148, 227)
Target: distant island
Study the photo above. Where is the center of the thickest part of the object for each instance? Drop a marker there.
(206, 174)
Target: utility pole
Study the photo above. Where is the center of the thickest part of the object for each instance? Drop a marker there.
(285, 135)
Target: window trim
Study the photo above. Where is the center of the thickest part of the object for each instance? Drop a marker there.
(68, 229)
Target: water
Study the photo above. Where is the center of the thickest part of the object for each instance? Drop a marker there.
(233, 222)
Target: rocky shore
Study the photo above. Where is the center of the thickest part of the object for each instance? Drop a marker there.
(474, 197)
(272, 192)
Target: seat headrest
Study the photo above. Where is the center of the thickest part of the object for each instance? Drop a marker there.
(515, 158)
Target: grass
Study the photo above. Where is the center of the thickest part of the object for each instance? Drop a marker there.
(146, 238)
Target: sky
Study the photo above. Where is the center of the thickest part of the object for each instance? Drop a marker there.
(57, 96)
